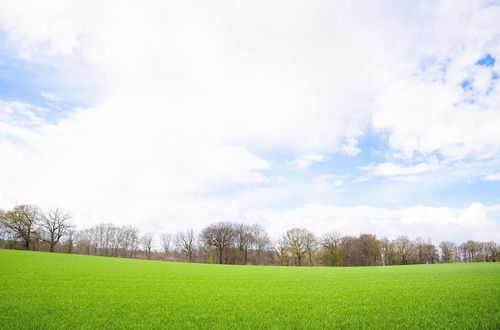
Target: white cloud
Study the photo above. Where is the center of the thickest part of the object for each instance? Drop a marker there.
(493, 208)
(50, 96)
(304, 161)
(492, 177)
(361, 179)
(306, 93)
(20, 122)
(426, 110)
(393, 169)
(211, 61)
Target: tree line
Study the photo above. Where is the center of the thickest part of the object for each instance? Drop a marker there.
(28, 227)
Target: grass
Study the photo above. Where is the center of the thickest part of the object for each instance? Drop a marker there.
(42, 290)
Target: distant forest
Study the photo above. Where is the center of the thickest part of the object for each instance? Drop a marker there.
(28, 227)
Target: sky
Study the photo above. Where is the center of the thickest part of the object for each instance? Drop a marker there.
(375, 117)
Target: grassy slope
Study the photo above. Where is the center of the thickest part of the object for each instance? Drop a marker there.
(41, 290)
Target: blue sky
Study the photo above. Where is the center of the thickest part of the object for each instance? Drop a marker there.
(350, 117)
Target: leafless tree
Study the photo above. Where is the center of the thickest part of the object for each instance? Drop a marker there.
(108, 239)
(219, 236)
(56, 224)
(404, 246)
(166, 240)
(147, 244)
(22, 221)
(260, 242)
(244, 238)
(127, 240)
(185, 242)
(105, 238)
(330, 240)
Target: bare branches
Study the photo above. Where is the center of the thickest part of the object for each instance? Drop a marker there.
(185, 242)
(108, 240)
(55, 224)
(165, 241)
(331, 240)
(146, 242)
(219, 236)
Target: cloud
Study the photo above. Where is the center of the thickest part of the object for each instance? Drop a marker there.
(212, 61)
(304, 161)
(50, 96)
(185, 102)
(492, 177)
(493, 208)
(361, 179)
(213, 58)
(393, 169)
(444, 102)
(20, 122)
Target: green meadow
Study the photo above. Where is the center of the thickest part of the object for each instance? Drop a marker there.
(41, 290)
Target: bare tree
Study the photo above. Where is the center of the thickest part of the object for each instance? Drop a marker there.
(166, 240)
(22, 221)
(220, 236)
(108, 239)
(56, 224)
(127, 240)
(244, 239)
(299, 242)
(185, 242)
(331, 240)
(147, 244)
(260, 242)
(404, 246)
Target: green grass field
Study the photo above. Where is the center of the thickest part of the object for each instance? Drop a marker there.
(42, 290)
